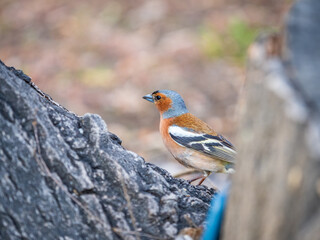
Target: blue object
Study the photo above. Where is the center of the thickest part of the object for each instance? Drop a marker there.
(215, 215)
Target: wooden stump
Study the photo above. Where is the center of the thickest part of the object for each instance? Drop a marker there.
(276, 189)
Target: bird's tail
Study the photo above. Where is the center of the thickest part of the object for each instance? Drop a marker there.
(229, 168)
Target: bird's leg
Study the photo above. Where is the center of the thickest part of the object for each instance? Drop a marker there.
(188, 172)
(205, 175)
(194, 179)
(201, 181)
(184, 173)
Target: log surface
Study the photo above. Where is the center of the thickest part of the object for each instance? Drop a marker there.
(67, 177)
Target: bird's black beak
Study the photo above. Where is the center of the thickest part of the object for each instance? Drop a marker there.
(148, 98)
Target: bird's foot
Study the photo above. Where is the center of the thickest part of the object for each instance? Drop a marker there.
(194, 179)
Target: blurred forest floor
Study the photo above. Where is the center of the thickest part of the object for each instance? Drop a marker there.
(103, 56)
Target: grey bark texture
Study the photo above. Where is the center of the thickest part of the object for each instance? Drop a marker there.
(66, 177)
(276, 189)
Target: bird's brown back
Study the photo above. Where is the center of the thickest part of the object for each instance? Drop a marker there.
(192, 122)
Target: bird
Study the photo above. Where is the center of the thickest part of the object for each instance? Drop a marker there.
(191, 141)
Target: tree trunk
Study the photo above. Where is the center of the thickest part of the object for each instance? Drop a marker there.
(276, 189)
(67, 177)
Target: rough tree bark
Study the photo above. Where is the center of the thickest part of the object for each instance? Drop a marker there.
(276, 189)
(67, 177)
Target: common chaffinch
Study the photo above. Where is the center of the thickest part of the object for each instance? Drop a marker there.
(190, 140)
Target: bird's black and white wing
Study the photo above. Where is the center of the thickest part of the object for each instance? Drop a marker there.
(216, 146)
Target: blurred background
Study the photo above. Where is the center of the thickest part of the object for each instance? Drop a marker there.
(103, 56)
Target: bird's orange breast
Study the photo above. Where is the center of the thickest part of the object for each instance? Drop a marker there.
(168, 141)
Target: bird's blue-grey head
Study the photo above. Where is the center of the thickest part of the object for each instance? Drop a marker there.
(169, 103)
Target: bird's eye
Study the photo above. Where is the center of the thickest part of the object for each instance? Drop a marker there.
(158, 97)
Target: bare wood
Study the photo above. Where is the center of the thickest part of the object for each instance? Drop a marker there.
(275, 192)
